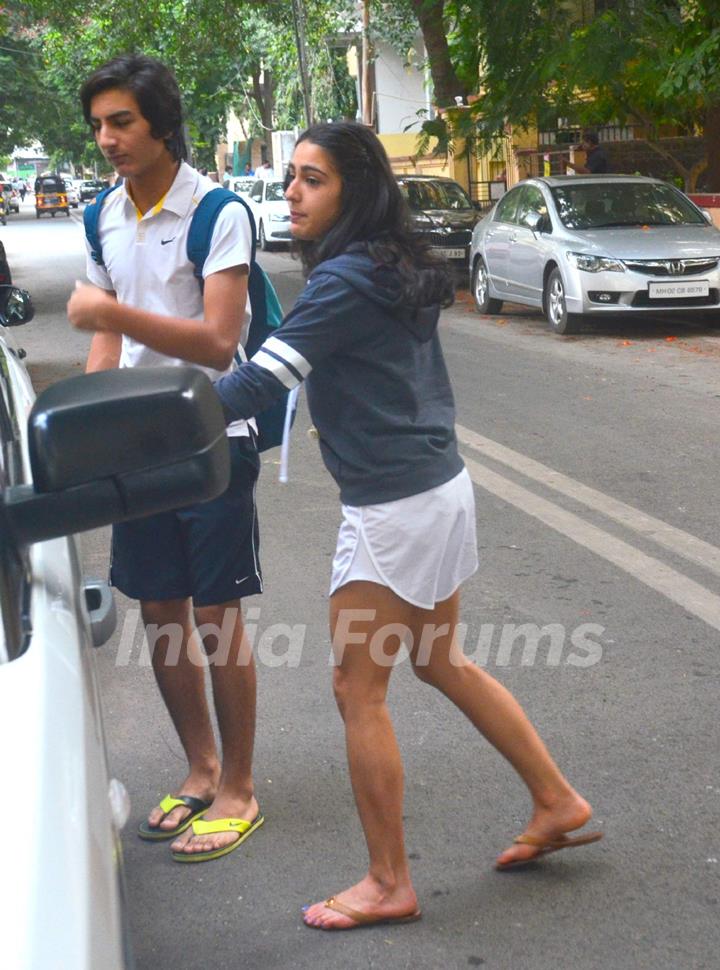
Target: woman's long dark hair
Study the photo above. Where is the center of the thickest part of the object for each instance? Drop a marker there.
(374, 212)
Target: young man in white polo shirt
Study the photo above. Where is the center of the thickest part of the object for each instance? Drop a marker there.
(190, 567)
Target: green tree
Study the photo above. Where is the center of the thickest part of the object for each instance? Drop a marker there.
(656, 62)
(227, 54)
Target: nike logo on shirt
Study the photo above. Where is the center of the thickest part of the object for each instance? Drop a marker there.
(164, 242)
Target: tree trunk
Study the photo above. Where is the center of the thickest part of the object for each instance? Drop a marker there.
(265, 101)
(712, 147)
(446, 83)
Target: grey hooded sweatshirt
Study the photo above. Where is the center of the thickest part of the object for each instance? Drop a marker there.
(377, 386)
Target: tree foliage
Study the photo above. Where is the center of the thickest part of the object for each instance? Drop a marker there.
(654, 62)
(224, 54)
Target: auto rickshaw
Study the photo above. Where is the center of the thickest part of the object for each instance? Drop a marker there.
(50, 196)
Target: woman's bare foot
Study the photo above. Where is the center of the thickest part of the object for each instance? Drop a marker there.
(224, 806)
(200, 785)
(366, 897)
(548, 822)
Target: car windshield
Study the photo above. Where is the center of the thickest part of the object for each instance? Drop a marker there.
(435, 195)
(605, 205)
(275, 192)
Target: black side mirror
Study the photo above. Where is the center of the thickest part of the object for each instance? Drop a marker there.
(16, 307)
(118, 445)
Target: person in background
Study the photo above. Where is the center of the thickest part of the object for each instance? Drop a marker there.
(265, 172)
(248, 170)
(596, 160)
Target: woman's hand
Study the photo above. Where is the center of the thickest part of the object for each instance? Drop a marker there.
(88, 308)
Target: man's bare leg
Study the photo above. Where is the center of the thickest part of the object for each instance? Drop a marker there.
(234, 691)
(178, 665)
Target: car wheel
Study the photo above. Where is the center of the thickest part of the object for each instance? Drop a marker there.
(481, 290)
(262, 239)
(556, 307)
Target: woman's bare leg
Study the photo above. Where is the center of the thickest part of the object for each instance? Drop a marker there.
(439, 661)
(361, 680)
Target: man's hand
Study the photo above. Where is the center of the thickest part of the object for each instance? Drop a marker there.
(88, 308)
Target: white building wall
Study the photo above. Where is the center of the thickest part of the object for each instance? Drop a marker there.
(400, 91)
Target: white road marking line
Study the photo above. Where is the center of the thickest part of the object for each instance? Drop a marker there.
(686, 545)
(663, 579)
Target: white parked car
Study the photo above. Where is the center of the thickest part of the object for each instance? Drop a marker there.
(242, 184)
(582, 247)
(271, 211)
(91, 450)
(73, 195)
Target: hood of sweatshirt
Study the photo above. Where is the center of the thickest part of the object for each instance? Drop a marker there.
(383, 286)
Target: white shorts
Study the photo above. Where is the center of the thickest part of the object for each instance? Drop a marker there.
(422, 547)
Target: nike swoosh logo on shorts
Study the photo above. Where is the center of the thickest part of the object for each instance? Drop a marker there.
(164, 242)
(238, 581)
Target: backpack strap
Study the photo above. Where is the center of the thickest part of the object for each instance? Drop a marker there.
(91, 220)
(203, 224)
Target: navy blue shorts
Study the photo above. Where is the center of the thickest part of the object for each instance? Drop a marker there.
(208, 551)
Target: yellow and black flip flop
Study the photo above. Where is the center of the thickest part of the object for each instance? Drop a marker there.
(153, 833)
(241, 826)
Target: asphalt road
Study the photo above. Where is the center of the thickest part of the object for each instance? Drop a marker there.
(595, 463)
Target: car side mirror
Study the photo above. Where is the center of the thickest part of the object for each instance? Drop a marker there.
(16, 307)
(534, 221)
(708, 216)
(119, 445)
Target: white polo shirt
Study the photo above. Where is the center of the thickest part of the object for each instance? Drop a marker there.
(146, 262)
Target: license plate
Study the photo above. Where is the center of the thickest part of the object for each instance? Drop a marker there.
(51, 200)
(690, 288)
(449, 253)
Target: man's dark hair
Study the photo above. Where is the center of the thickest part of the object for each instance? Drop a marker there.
(156, 92)
(373, 211)
(591, 137)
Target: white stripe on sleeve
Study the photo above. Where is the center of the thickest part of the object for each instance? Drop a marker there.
(276, 368)
(288, 354)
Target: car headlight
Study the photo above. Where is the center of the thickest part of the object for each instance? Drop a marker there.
(595, 264)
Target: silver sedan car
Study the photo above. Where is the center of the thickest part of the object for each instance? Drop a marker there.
(583, 246)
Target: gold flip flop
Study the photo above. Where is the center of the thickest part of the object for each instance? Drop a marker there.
(546, 846)
(363, 919)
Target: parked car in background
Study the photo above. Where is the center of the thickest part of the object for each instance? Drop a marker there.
(443, 213)
(271, 211)
(50, 196)
(72, 193)
(243, 184)
(90, 188)
(12, 196)
(583, 247)
(5, 274)
(67, 465)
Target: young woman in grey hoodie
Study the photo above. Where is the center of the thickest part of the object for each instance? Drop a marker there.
(363, 337)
